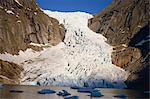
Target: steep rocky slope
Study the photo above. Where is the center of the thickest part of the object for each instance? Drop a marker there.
(10, 73)
(82, 59)
(125, 24)
(22, 22)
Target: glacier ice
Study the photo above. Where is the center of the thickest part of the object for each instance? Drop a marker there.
(82, 59)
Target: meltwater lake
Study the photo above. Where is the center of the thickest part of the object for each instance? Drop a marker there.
(31, 92)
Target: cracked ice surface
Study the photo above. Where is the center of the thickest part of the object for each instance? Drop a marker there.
(84, 58)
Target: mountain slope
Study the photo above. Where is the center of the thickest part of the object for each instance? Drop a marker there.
(125, 24)
(22, 22)
(82, 59)
(10, 73)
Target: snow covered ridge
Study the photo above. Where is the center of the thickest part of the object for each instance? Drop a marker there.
(83, 59)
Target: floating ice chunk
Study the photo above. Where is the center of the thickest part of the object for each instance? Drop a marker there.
(72, 97)
(63, 93)
(96, 94)
(85, 90)
(46, 91)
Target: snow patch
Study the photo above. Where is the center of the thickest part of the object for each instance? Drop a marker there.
(35, 13)
(18, 2)
(22, 57)
(40, 45)
(18, 21)
(17, 15)
(10, 12)
(28, 9)
(12, 9)
(1, 7)
(124, 45)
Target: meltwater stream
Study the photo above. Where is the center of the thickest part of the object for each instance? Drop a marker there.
(82, 59)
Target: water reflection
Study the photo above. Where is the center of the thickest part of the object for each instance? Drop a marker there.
(30, 92)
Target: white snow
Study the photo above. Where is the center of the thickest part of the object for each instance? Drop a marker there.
(1, 7)
(139, 26)
(12, 9)
(35, 44)
(41, 45)
(124, 45)
(84, 58)
(29, 9)
(17, 15)
(23, 56)
(10, 12)
(18, 2)
(18, 21)
(35, 13)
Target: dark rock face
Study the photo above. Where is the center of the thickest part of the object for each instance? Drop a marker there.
(122, 57)
(139, 77)
(22, 22)
(140, 68)
(10, 73)
(121, 20)
(125, 23)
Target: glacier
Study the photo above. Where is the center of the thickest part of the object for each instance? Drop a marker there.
(82, 59)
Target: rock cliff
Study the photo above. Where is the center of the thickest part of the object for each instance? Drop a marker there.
(23, 22)
(10, 73)
(125, 24)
